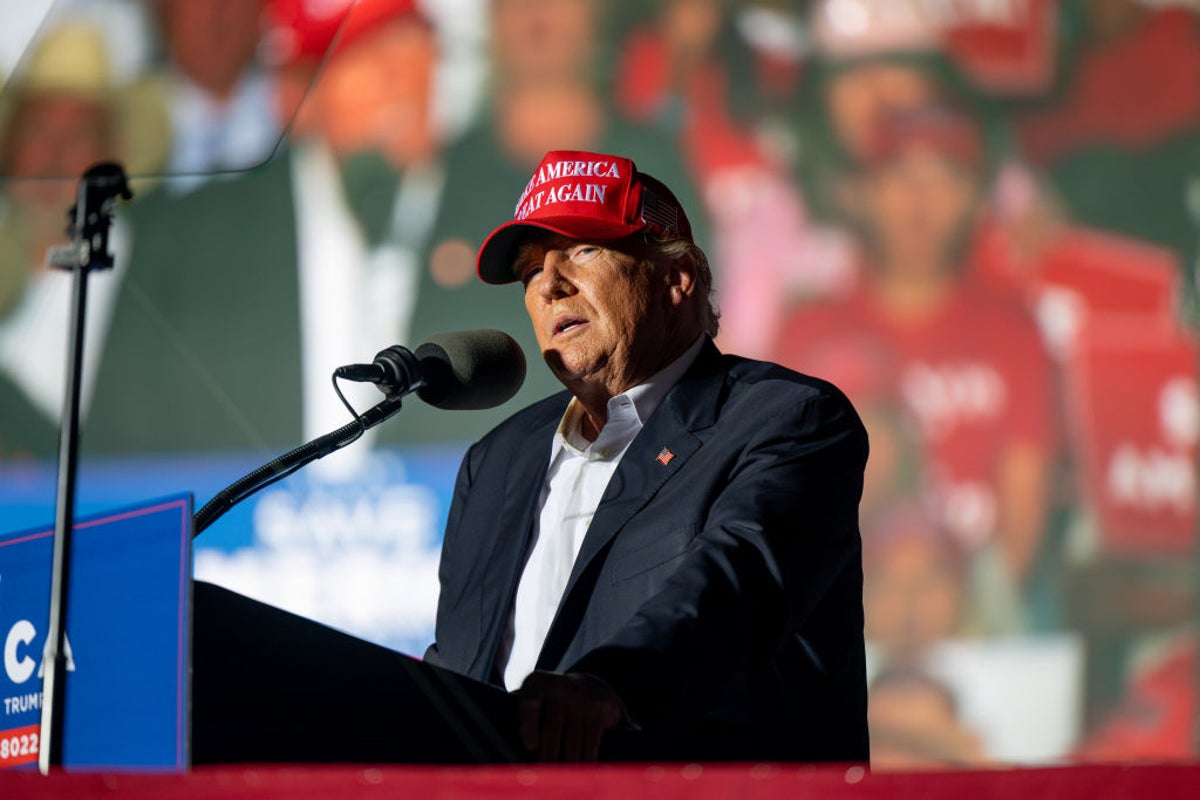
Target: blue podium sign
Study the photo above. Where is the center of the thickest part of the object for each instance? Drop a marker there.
(128, 622)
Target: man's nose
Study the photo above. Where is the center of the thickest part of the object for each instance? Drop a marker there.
(556, 279)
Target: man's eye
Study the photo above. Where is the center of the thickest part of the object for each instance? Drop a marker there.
(528, 275)
(584, 251)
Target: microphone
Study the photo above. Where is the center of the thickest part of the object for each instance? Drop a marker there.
(463, 370)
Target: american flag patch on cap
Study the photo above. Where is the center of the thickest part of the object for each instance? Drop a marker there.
(658, 212)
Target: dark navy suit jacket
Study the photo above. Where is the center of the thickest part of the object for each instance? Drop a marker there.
(718, 589)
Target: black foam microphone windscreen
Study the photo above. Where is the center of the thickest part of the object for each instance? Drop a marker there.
(467, 370)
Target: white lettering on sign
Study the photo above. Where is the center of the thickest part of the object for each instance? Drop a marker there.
(23, 703)
(968, 510)
(1152, 479)
(19, 667)
(401, 520)
(945, 395)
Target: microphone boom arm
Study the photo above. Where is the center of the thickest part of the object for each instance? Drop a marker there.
(289, 462)
(463, 370)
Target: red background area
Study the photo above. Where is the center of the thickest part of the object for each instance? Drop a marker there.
(670, 781)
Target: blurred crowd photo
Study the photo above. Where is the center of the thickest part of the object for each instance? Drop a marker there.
(980, 219)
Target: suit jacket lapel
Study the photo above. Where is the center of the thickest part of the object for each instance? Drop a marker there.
(690, 406)
(510, 540)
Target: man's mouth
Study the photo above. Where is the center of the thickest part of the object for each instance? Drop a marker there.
(565, 323)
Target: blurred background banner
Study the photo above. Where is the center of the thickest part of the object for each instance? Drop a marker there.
(980, 219)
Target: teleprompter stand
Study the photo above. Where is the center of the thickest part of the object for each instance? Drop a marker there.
(100, 189)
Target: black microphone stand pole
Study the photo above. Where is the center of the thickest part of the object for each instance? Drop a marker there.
(99, 190)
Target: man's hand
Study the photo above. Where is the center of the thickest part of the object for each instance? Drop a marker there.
(565, 715)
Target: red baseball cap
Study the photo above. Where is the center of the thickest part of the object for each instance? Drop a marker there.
(303, 30)
(581, 195)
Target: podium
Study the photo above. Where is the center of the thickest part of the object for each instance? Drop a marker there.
(270, 686)
(165, 672)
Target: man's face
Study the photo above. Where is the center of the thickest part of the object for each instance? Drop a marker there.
(858, 98)
(535, 39)
(917, 207)
(599, 314)
(691, 26)
(375, 95)
(913, 593)
(54, 135)
(212, 41)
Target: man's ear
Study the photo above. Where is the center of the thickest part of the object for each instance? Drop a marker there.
(681, 278)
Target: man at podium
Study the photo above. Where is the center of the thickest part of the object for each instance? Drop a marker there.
(667, 553)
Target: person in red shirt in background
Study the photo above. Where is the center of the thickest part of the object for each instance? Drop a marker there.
(969, 365)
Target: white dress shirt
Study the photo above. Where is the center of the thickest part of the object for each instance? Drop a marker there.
(576, 480)
(210, 135)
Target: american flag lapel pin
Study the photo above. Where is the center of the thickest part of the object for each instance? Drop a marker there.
(664, 456)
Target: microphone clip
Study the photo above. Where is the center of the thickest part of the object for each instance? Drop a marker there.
(395, 371)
